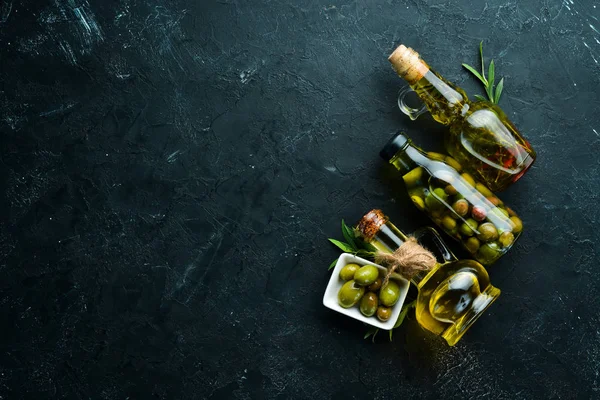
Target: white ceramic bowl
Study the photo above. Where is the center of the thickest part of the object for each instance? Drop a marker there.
(330, 299)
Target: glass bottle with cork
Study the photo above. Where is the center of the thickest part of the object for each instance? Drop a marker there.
(481, 137)
(452, 295)
(462, 207)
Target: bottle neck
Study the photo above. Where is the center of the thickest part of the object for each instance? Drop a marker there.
(445, 101)
(418, 278)
(434, 85)
(408, 158)
(387, 239)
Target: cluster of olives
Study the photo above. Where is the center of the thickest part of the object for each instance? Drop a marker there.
(364, 285)
(465, 209)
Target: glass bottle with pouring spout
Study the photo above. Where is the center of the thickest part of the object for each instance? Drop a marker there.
(481, 137)
(452, 295)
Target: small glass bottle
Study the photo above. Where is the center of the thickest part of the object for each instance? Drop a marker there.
(481, 137)
(452, 295)
(463, 208)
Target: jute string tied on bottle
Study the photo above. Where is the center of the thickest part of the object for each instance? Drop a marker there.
(409, 259)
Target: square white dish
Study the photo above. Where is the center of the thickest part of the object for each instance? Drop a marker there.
(330, 299)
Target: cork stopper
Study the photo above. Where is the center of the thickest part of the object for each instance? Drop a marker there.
(370, 224)
(408, 64)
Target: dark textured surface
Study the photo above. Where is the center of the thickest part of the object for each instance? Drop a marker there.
(171, 171)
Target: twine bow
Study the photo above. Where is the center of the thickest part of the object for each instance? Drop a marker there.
(409, 259)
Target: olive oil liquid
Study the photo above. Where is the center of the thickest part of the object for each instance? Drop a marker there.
(489, 142)
(445, 102)
(450, 299)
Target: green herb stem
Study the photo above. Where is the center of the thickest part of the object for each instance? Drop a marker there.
(492, 90)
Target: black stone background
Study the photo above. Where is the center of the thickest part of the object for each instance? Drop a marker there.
(171, 171)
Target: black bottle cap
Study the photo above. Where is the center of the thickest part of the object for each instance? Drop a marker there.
(396, 143)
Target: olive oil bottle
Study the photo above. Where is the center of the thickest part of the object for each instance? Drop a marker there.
(452, 295)
(481, 137)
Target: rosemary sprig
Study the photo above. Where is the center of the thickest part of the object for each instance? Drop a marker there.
(493, 91)
(358, 247)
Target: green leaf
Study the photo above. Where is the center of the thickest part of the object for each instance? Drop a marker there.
(499, 91)
(344, 246)
(365, 245)
(349, 235)
(491, 81)
(371, 331)
(332, 264)
(474, 72)
(480, 97)
(482, 63)
(364, 254)
(375, 334)
(403, 313)
(369, 247)
(405, 309)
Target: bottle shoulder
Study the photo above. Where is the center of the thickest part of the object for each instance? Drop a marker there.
(443, 271)
(439, 169)
(482, 112)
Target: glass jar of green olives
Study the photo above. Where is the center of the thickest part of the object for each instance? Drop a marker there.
(463, 208)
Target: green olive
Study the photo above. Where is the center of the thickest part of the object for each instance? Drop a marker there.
(366, 275)
(448, 222)
(483, 190)
(368, 304)
(436, 156)
(494, 200)
(461, 207)
(472, 244)
(511, 212)
(506, 239)
(350, 294)
(432, 201)
(468, 227)
(418, 201)
(467, 177)
(487, 232)
(488, 253)
(375, 286)
(384, 313)
(450, 190)
(413, 177)
(348, 271)
(440, 193)
(453, 163)
(437, 215)
(501, 213)
(517, 224)
(389, 294)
